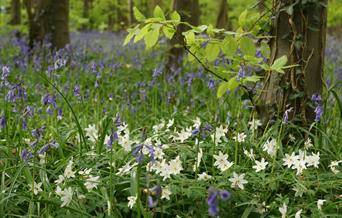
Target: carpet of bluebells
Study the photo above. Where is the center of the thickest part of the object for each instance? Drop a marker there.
(102, 130)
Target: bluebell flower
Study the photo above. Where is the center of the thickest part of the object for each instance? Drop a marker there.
(318, 112)
(2, 122)
(26, 155)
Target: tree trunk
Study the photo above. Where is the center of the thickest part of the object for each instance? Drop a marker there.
(85, 14)
(16, 13)
(130, 12)
(222, 21)
(301, 37)
(262, 6)
(48, 18)
(189, 12)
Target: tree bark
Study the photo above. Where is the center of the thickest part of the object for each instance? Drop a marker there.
(189, 12)
(262, 6)
(48, 19)
(222, 21)
(301, 37)
(15, 12)
(130, 12)
(85, 13)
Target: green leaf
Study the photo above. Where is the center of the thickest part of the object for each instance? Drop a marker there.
(151, 38)
(141, 33)
(224, 86)
(265, 50)
(128, 38)
(229, 46)
(253, 78)
(158, 12)
(247, 46)
(175, 16)
(189, 37)
(138, 15)
(169, 31)
(279, 63)
(243, 18)
(212, 51)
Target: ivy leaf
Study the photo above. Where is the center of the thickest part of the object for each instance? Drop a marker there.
(279, 64)
(229, 46)
(212, 51)
(265, 50)
(138, 15)
(175, 16)
(189, 37)
(253, 78)
(141, 33)
(243, 18)
(151, 38)
(247, 46)
(224, 86)
(158, 12)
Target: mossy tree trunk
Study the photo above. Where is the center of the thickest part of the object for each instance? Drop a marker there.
(300, 34)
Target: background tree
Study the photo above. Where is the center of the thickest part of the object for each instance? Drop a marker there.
(189, 12)
(222, 18)
(299, 31)
(15, 12)
(48, 18)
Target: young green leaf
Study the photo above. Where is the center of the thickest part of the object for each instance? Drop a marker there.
(151, 38)
(138, 15)
(224, 86)
(279, 63)
(212, 51)
(158, 12)
(175, 16)
(247, 46)
(229, 46)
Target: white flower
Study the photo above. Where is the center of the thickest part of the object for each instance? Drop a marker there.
(238, 181)
(204, 176)
(125, 142)
(91, 182)
(106, 140)
(126, 168)
(183, 135)
(158, 153)
(166, 193)
(197, 123)
(131, 201)
(299, 212)
(320, 203)
(68, 173)
(85, 172)
(37, 188)
(249, 154)
(271, 147)
(240, 137)
(175, 166)
(313, 160)
(165, 170)
(333, 165)
(92, 133)
(289, 160)
(219, 133)
(156, 128)
(283, 210)
(199, 158)
(260, 165)
(308, 144)
(299, 165)
(170, 123)
(59, 180)
(122, 128)
(66, 195)
(254, 124)
(221, 162)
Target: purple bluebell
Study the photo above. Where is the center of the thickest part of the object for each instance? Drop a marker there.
(213, 210)
(225, 195)
(26, 155)
(318, 112)
(77, 90)
(151, 203)
(59, 114)
(43, 149)
(241, 73)
(2, 122)
(211, 84)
